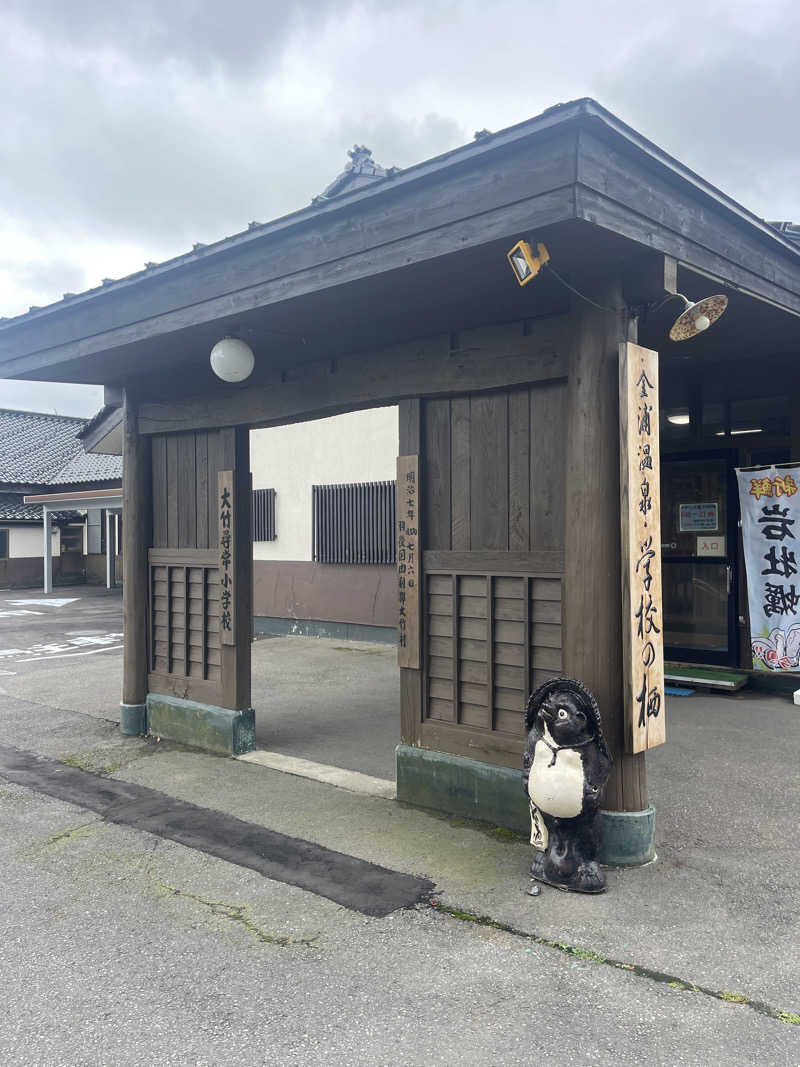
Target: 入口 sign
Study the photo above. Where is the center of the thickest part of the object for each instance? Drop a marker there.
(710, 546)
(642, 618)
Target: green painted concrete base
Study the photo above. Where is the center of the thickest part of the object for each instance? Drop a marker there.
(201, 725)
(427, 778)
(132, 719)
(459, 786)
(629, 837)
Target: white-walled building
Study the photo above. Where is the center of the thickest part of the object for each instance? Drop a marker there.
(294, 592)
(41, 453)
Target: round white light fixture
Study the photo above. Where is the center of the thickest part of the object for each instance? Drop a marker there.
(232, 360)
(697, 317)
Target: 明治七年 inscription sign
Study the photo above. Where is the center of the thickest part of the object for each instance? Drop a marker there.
(409, 564)
(227, 558)
(642, 619)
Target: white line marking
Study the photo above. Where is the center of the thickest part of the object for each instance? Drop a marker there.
(54, 603)
(69, 655)
(7, 673)
(354, 781)
(19, 611)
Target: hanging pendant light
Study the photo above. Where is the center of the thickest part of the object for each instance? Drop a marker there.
(232, 360)
(697, 317)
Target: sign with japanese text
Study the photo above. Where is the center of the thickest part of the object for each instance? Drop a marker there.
(642, 617)
(698, 517)
(227, 558)
(409, 563)
(710, 545)
(770, 507)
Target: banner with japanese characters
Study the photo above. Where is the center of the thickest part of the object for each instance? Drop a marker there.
(227, 558)
(770, 507)
(409, 564)
(640, 513)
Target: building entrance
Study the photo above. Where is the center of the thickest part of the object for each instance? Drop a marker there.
(699, 548)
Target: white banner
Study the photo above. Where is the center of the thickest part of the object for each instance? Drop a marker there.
(770, 507)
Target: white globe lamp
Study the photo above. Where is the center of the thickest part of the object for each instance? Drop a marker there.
(232, 360)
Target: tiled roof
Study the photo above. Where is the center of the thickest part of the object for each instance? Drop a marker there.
(13, 509)
(39, 449)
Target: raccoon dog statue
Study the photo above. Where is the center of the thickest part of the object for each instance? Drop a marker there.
(565, 767)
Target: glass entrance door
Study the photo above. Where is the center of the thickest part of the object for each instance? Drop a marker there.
(698, 548)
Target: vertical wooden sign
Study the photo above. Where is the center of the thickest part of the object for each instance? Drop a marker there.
(642, 616)
(409, 564)
(227, 558)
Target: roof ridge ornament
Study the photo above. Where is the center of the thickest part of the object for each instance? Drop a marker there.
(360, 170)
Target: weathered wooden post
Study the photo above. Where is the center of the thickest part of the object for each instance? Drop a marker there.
(47, 560)
(592, 581)
(137, 539)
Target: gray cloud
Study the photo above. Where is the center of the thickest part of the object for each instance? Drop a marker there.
(82, 400)
(133, 130)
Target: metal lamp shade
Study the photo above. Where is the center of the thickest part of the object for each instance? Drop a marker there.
(686, 325)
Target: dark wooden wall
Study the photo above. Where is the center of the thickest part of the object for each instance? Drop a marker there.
(492, 471)
(186, 655)
(185, 468)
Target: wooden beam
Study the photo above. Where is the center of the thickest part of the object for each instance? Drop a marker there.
(484, 200)
(485, 360)
(137, 538)
(592, 561)
(618, 190)
(537, 213)
(738, 272)
(648, 278)
(539, 562)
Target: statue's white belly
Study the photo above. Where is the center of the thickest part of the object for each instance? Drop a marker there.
(556, 790)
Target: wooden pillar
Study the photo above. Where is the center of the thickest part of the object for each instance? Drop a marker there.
(47, 548)
(137, 539)
(109, 550)
(592, 581)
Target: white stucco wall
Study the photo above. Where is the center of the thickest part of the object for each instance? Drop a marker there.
(358, 447)
(27, 541)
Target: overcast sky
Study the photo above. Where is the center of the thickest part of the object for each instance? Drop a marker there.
(132, 130)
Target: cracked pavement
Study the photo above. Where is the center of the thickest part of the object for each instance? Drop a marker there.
(122, 948)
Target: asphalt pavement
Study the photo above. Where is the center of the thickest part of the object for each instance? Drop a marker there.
(123, 946)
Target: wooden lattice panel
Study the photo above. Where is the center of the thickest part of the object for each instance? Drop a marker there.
(185, 619)
(490, 639)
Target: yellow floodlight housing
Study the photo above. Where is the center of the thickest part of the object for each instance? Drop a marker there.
(524, 263)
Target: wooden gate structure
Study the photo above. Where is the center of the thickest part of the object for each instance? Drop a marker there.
(397, 291)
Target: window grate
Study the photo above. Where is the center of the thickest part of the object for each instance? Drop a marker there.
(354, 523)
(264, 515)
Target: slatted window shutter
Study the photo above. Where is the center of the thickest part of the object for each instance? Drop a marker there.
(264, 528)
(354, 523)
